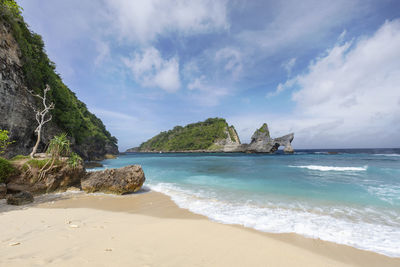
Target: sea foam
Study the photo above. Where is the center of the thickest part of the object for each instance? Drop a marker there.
(339, 224)
(330, 168)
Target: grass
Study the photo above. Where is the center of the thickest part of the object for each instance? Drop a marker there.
(19, 157)
(37, 163)
(6, 169)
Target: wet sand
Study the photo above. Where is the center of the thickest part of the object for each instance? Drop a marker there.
(149, 229)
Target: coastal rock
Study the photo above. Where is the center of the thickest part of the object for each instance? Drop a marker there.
(286, 141)
(3, 190)
(288, 149)
(58, 179)
(118, 181)
(261, 142)
(20, 198)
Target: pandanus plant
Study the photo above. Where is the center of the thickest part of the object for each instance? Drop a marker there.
(59, 146)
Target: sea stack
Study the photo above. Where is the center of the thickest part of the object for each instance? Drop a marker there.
(261, 142)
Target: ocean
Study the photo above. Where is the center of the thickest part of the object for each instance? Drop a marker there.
(349, 197)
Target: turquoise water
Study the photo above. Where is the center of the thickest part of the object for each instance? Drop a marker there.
(350, 198)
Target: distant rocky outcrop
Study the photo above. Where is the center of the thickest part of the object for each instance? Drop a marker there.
(128, 179)
(261, 142)
(224, 138)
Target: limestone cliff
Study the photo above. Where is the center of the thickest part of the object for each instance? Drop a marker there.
(261, 142)
(18, 74)
(15, 101)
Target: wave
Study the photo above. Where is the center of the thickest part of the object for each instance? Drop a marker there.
(388, 155)
(364, 229)
(330, 168)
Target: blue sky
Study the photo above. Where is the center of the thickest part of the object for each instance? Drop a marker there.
(327, 70)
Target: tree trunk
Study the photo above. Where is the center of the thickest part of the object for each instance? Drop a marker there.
(36, 145)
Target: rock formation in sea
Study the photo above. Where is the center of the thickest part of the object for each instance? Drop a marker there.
(261, 142)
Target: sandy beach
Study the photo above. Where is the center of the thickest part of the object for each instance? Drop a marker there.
(148, 229)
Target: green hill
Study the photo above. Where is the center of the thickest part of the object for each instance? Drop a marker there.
(196, 136)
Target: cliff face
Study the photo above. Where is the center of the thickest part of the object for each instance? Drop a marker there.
(15, 102)
(230, 143)
(261, 142)
(16, 113)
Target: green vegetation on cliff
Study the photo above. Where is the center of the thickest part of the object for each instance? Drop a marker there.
(6, 169)
(195, 136)
(70, 114)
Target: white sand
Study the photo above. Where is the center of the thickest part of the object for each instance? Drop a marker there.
(150, 230)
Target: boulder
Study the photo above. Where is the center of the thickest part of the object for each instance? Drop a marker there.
(117, 181)
(3, 190)
(20, 198)
(58, 179)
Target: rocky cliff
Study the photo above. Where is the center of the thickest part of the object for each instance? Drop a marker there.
(15, 102)
(28, 68)
(261, 142)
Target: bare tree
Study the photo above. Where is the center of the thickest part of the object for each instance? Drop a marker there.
(41, 116)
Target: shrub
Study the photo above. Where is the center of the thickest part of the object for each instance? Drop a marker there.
(6, 169)
(4, 140)
(74, 160)
(59, 146)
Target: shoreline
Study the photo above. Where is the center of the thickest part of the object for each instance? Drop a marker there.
(194, 237)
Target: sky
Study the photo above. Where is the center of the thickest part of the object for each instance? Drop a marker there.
(329, 71)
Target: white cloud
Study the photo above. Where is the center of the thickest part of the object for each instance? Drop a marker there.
(103, 52)
(232, 61)
(145, 20)
(151, 70)
(298, 24)
(204, 93)
(348, 97)
(288, 65)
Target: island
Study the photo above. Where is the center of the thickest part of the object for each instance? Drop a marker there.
(213, 135)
